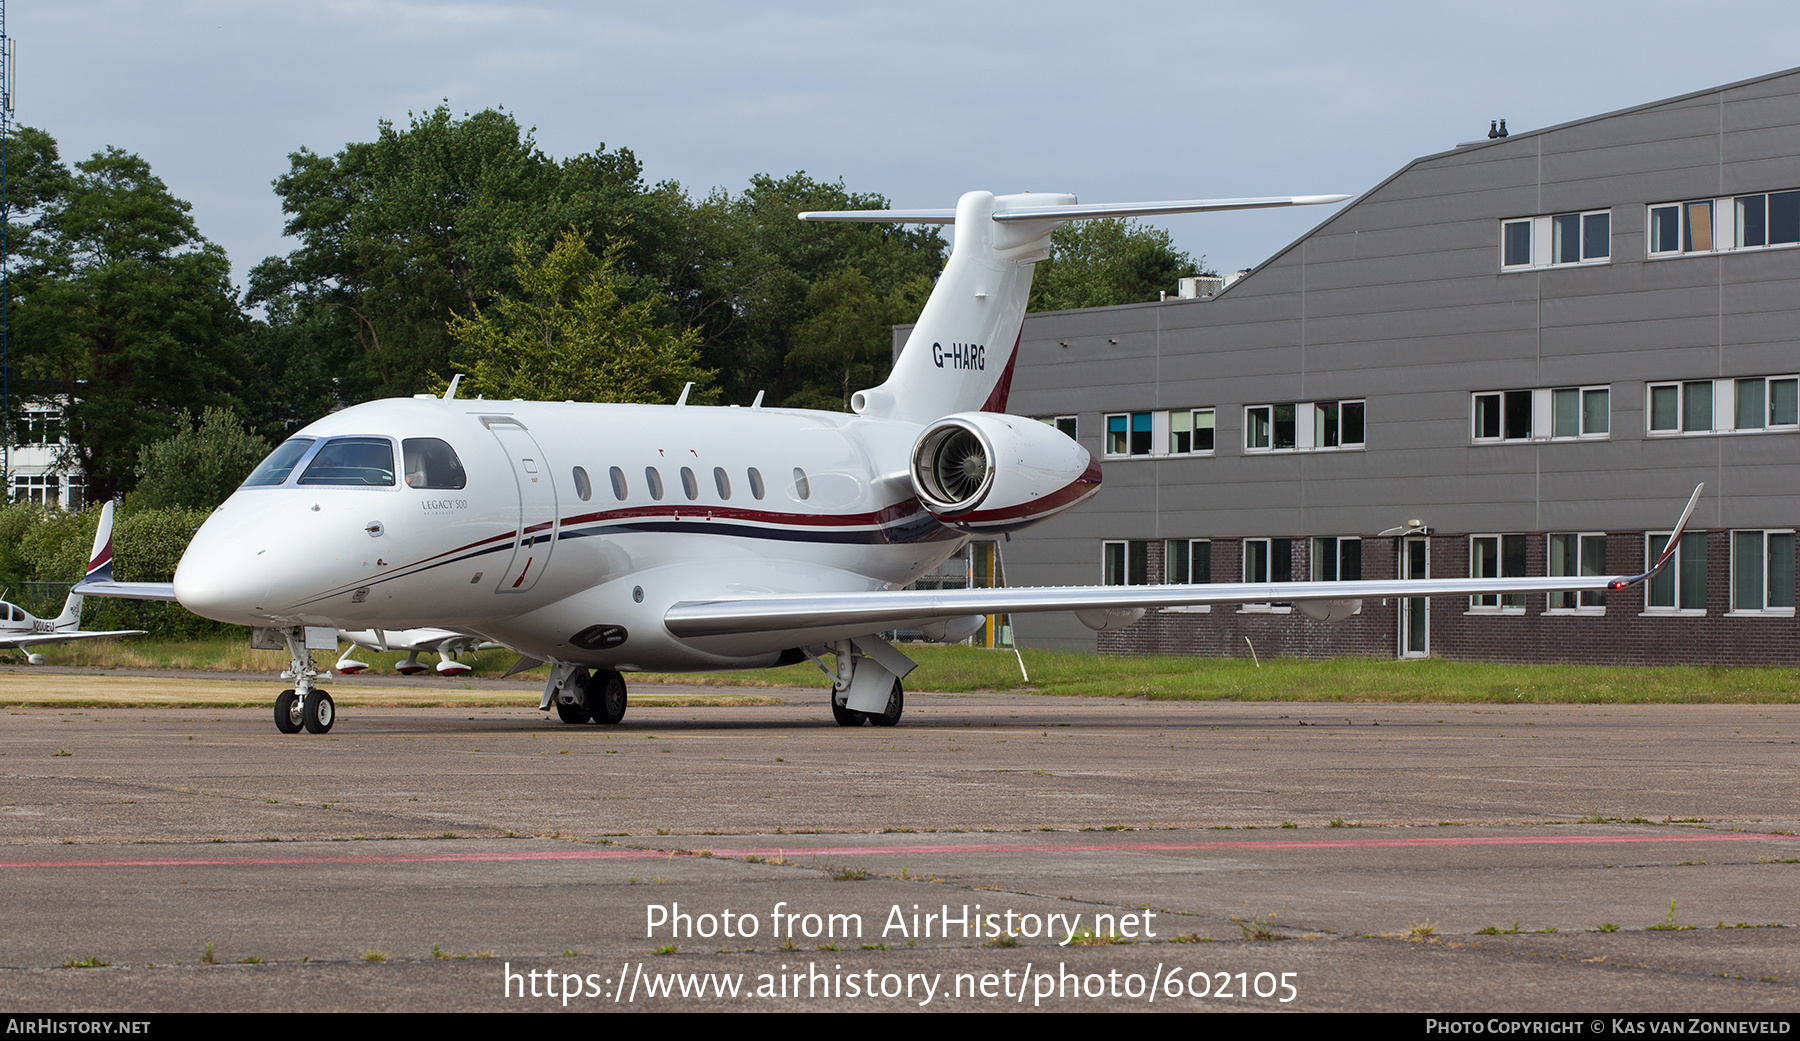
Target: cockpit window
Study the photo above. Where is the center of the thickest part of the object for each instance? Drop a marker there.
(363, 462)
(430, 463)
(280, 463)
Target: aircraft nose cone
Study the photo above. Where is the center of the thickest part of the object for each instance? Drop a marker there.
(218, 579)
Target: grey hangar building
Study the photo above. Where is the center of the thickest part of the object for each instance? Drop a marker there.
(1515, 357)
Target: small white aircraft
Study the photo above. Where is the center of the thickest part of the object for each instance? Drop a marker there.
(605, 538)
(447, 644)
(22, 630)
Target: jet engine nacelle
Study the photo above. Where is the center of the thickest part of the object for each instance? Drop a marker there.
(995, 472)
(1328, 610)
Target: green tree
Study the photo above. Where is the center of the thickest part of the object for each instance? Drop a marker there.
(845, 342)
(125, 315)
(1103, 263)
(572, 335)
(200, 465)
(751, 267)
(398, 234)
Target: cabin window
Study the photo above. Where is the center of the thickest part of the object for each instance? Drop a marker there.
(756, 483)
(618, 483)
(359, 462)
(690, 486)
(802, 487)
(432, 463)
(280, 463)
(654, 481)
(583, 487)
(722, 482)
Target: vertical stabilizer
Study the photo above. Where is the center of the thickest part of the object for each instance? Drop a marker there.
(99, 569)
(960, 355)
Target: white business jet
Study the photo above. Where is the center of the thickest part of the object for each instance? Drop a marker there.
(22, 630)
(605, 539)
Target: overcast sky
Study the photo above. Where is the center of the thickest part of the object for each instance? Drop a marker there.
(918, 101)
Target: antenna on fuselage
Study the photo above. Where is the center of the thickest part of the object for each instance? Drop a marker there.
(682, 400)
(450, 392)
(758, 402)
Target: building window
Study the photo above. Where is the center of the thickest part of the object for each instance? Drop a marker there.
(1175, 432)
(1503, 415)
(1583, 555)
(1768, 220)
(1556, 240)
(1304, 426)
(1125, 563)
(1759, 221)
(1753, 404)
(1066, 424)
(1680, 587)
(1765, 403)
(1337, 560)
(1191, 432)
(43, 489)
(1129, 434)
(1557, 413)
(1187, 562)
(40, 428)
(1497, 556)
(1268, 560)
(1762, 572)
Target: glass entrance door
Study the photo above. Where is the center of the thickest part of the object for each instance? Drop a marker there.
(1415, 611)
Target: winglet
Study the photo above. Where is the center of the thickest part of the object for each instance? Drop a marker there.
(1668, 551)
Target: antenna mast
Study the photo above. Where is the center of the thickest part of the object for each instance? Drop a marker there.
(6, 118)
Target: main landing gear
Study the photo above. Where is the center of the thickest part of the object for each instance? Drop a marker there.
(304, 706)
(865, 687)
(581, 696)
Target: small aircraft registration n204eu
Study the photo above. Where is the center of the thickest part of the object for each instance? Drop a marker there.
(610, 538)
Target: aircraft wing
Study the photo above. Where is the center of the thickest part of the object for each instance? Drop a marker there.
(36, 639)
(835, 615)
(891, 609)
(128, 590)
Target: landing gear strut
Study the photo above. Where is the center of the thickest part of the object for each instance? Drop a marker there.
(305, 706)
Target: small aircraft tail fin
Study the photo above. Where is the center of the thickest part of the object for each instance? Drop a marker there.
(960, 355)
(99, 569)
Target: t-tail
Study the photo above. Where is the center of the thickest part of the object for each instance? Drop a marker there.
(99, 569)
(961, 353)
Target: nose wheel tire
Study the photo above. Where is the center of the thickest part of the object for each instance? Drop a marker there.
(846, 716)
(606, 697)
(288, 719)
(891, 715)
(320, 713)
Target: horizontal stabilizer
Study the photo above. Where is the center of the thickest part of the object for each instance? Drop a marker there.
(1076, 211)
(128, 590)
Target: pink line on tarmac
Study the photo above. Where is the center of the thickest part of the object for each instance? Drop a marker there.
(875, 851)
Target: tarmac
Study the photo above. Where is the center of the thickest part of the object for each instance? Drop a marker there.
(993, 851)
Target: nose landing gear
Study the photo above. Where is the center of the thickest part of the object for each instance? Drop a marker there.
(305, 706)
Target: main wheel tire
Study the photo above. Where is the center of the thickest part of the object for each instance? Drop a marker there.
(572, 713)
(607, 697)
(320, 712)
(896, 704)
(287, 716)
(845, 715)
